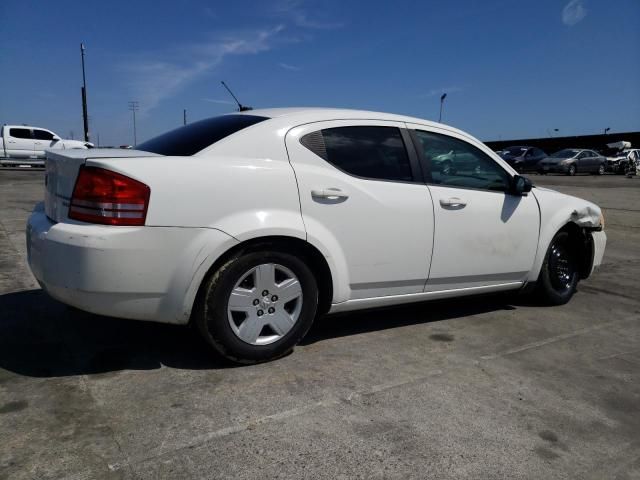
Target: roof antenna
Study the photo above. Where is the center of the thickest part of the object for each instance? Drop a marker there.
(241, 108)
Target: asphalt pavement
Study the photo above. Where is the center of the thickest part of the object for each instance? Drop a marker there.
(478, 388)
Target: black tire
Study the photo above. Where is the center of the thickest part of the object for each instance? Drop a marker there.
(559, 274)
(572, 170)
(211, 315)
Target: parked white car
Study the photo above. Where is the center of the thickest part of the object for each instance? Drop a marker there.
(25, 142)
(250, 225)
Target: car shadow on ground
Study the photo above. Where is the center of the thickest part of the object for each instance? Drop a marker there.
(40, 337)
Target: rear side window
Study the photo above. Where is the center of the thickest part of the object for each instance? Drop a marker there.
(197, 136)
(42, 135)
(20, 132)
(364, 151)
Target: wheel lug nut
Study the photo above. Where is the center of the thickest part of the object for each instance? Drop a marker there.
(274, 298)
(271, 309)
(265, 293)
(260, 313)
(256, 301)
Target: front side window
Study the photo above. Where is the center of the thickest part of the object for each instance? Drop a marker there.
(20, 133)
(456, 163)
(42, 135)
(197, 136)
(566, 153)
(364, 151)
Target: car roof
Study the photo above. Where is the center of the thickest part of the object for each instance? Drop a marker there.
(301, 115)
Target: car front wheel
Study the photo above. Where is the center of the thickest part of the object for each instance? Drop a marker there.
(572, 170)
(258, 306)
(559, 274)
(601, 169)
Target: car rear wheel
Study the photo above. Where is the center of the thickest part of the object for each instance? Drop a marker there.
(559, 274)
(258, 306)
(572, 170)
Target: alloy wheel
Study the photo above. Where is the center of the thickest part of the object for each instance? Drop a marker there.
(264, 304)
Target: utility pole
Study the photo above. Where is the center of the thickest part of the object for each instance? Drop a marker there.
(133, 106)
(444, 95)
(606, 130)
(85, 117)
(184, 116)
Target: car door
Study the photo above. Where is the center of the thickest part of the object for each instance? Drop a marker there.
(20, 142)
(484, 236)
(585, 161)
(596, 160)
(43, 139)
(361, 196)
(537, 156)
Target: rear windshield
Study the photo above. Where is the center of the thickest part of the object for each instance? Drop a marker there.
(197, 136)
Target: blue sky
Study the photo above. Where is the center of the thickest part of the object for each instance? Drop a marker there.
(511, 68)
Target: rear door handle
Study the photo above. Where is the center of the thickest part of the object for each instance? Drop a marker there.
(329, 194)
(453, 202)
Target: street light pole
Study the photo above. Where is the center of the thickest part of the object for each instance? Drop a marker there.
(133, 106)
(606, 130)
(442, 97)
(85, 116)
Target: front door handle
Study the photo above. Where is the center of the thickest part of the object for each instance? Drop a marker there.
(329, 194)
(453, 202)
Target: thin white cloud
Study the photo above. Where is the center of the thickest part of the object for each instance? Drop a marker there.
(298, 13)
(573, 12)
(152, 81)
(221, 102)
(287, 66)
(439, 91)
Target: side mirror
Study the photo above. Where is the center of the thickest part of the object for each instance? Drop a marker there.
(520, 185)
(56, 138)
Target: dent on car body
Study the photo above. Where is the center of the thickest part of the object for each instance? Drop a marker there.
(586, 217)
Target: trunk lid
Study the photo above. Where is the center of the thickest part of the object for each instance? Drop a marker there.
(62, 167)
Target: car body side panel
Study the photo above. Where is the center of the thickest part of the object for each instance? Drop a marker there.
(244, 197)
(556, 211)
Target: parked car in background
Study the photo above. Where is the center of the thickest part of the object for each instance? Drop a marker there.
(619, 163)
(523, 159)
(451, 161)
(573, 160)
(25, 142)
(250, 225)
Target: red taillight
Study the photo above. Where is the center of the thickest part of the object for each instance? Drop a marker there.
(109, 198)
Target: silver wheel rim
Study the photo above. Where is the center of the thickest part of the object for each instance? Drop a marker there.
(264, 304)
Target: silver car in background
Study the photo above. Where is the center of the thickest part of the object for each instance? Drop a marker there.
(573, 160)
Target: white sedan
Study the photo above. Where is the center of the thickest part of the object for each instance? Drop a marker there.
(250, 225)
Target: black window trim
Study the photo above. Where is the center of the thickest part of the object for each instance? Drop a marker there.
(428, 179)
(414, 164)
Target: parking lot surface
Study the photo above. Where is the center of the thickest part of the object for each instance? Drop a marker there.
(491, 387)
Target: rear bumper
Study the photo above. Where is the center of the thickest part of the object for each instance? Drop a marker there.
(142, 273)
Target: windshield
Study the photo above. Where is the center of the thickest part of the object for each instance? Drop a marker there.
(514, 151)
(197, 136)
(566, 153)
